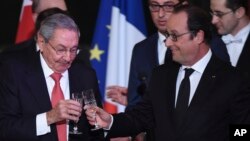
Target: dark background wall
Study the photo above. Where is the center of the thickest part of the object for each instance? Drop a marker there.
(83, 11)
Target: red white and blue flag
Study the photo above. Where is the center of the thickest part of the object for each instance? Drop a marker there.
(120, 25)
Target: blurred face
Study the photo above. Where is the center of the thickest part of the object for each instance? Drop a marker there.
(45, 4)
(184, 47)
(224, 18)
(60, 51)
(160, 14)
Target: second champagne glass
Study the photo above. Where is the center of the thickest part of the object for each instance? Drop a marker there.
(79, 98)
(89, 99)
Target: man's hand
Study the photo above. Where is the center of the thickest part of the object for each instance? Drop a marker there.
(96, 114)
(118, 94)
(64, 110)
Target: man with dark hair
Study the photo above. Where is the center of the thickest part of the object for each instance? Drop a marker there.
(40, 5)
(232, 22)
(194, 99)
(146, 55)
(151, 53)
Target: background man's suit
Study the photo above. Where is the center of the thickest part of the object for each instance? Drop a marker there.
(144, 59)
(24, 94)
(220, 99)
(243, 63)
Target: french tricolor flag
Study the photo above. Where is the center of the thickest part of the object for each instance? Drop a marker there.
(120, 25)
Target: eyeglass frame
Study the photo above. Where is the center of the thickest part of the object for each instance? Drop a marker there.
(62, 52)
(175, 37)
(220, 14)
(165, 7)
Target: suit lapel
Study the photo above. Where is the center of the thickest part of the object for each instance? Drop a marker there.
(206, 83)
(73, 84)
(243, 63)
(170, 89)
(36, 82)
(172, 86)
(77, 79)
(153, 50)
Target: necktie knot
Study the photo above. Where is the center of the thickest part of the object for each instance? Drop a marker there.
(188, 72)
(56, 76)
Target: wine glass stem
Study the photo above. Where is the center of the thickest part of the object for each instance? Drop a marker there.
(75, 127)
(96, 124)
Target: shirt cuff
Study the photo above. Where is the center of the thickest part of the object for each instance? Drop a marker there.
(41, 125)
(111, 123)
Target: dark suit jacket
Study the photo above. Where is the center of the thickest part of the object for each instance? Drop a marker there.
(243, 63)
(24, 94)
(145, 59)
(220, 99)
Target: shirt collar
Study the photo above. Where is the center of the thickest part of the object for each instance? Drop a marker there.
(201, 64)
(241, 35)
(48, 71)
(37, 47)
(162, 37)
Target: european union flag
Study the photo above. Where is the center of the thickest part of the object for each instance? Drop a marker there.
(120, 25)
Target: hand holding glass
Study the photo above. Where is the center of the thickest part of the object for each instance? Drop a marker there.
(79, 98)
(89, 99)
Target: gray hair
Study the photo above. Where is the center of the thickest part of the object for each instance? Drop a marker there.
(57, 21)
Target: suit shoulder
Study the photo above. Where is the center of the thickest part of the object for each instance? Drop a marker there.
(13, 56)
(80, 66)
(166, 67)
(20, 46)
(147, 42)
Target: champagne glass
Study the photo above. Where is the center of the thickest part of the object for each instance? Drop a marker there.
(89, 99)
(77, 96)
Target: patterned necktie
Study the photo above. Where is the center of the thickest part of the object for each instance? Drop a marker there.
(183, 97)
(57, 95)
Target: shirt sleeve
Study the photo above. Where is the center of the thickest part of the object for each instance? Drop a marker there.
(41, 125)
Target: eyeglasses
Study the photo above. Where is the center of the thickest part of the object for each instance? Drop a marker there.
(174, 37)
(165, 7)
(220, 14)
(63, 51)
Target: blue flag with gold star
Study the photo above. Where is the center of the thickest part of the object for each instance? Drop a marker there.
(120, 25)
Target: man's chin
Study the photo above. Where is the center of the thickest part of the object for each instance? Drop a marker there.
(63, 68)
(161, 28)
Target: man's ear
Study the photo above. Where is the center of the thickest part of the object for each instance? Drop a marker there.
(200, 35)
(40, 41)
(34, 16)
(184, 2)
(240, 12)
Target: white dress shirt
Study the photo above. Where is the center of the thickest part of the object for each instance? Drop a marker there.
(41, 120)
(236, 43)
(161, 48)
(195, 77)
